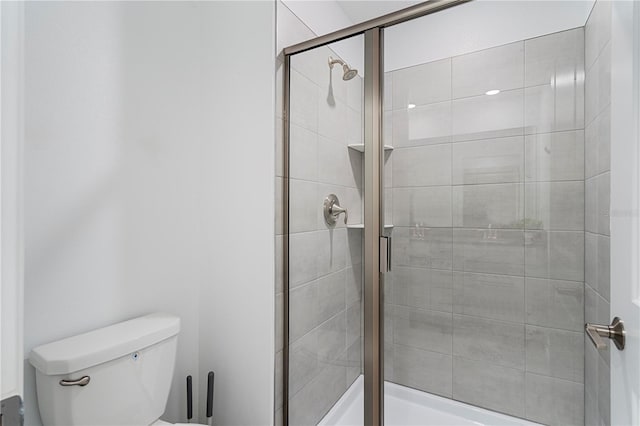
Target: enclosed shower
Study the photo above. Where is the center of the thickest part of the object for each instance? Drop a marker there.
(466, 168)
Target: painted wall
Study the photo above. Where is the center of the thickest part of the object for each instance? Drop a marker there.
(11, 266)
(597, 197)
(236, 305)
(466, 28)
(138, 168)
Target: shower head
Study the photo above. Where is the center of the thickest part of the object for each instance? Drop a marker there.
(348, 72)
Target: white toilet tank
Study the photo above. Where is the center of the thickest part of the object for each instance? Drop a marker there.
(127, 368)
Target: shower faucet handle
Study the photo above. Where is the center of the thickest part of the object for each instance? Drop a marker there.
(332, 210)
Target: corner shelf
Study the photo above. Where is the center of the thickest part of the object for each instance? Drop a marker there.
(360, 147)
(361, 226)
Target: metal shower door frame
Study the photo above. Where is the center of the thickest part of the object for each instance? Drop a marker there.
(373, 31)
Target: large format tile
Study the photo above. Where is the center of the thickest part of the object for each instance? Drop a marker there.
(427, 206)
(304, 102)
(331, 251)
(303, 206)
(499, 297)
(428, 330)
(597, 31)
(332, 340)
(555, 353)
(553, 401)
(489, 386)
(337, 164)
(355, 94)
(354, 364)
(484, 117)
(495, 342)
(422, 84)
(499, 68)
(303, 153)
(597, 203)
(303, 313)
(489, 161)
(303, 361)
(598, 85)
(554, 57)
(555, 107)
(598, 144)
(311, 403)
(428, 371)
(555, 205)
(422, 288)
(355, 126)
(555, 303)
(555, 156)
(332, 118)
(331, 295)
(495, 206)
(422, 166)
(422, 247)
(493, 251)
(303, 250)
(312, 63)
(353, 284)
(596, 386)
(422, 125)
(554, 254)
(354, 313)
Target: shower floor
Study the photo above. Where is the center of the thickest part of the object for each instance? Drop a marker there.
(407, 406)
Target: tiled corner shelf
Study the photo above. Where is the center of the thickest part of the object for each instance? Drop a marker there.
(360, 147)
(361, 226)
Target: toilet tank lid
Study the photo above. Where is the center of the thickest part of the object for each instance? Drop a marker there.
(104, 344)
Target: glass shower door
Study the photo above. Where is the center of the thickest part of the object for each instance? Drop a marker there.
(485, 187)
(325, 230)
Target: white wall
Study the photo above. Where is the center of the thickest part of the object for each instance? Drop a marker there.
(11, 291)
(236, 305)
(139, 117)
(465, 28)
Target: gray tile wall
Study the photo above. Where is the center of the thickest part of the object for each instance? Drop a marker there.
(597, 170)
(485, 302)
(325, 264)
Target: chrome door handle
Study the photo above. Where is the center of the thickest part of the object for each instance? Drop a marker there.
(82, 381)
(615, 332)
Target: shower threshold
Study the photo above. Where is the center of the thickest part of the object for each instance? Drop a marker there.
(407, 406)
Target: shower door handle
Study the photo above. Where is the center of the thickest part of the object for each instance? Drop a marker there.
(615, 332)
(385, 254)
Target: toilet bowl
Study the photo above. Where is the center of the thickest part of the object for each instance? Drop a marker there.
(116, 375)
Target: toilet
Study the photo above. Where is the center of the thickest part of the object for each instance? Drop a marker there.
(116, 375)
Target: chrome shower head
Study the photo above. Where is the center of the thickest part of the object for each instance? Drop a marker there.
(348, 72)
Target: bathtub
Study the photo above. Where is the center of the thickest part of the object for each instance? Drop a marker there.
(407, 406)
